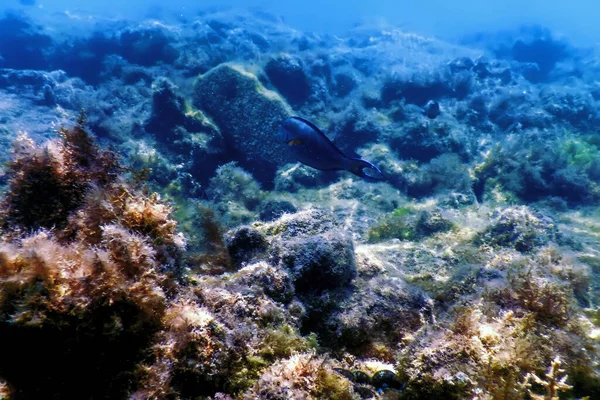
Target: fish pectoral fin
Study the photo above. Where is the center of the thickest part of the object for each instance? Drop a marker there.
(294, 142)
(365, 169)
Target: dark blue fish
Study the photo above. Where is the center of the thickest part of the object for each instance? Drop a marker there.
(310, 146)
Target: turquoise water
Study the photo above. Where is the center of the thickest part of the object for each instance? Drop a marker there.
(576, 19)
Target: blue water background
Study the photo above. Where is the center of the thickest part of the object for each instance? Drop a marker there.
(577, 19)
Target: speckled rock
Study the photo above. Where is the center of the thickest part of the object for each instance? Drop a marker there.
(245, 243)
(521, 228)
(275, 282)
(433, 221)
(287, 75)
(302, 224)
(381, 309)
(319, 262)
(270, 209)
(247, 114)
(318, 254)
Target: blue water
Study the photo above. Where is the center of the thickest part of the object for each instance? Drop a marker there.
(449, 19)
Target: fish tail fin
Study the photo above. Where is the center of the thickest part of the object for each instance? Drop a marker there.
(364, 169)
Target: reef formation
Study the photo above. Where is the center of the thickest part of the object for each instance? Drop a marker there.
(164, 245)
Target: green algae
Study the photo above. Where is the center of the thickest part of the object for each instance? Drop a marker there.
(332, 386)
(581, 152)
(284, 341)
(246, 373)
(397, 225)
(406, 223)
(279, 343)
(592, 261)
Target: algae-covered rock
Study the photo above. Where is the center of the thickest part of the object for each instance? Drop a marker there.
(312, 221)
(317, 253)
(245, 243)
(319, 262)
(233, 184)
(520, 228)
(302, 376)
(247, 114)
(287, 74)
(381, 309)
(272, 209)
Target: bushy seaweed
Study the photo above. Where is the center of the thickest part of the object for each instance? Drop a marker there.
(87, 288)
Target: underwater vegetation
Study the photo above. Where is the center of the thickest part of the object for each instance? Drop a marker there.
(165, 244)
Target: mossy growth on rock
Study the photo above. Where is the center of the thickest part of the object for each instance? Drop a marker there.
(302, 376)
(248, 115)
(283, 342)
(408, 223)
(521, 228)
(47, 183)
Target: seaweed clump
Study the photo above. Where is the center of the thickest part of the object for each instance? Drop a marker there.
(47, 183)
(85, 265)
(303, 376)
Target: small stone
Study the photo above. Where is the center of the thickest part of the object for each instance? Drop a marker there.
(386, 379)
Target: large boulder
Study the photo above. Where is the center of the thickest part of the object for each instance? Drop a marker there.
(247, 114)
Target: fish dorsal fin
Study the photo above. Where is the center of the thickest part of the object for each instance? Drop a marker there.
(320, 132)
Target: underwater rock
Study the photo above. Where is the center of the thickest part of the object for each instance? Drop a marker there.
(386, 379)
(571, 105)
(294, 177)
(518, 109)
(15, 80)
(305, 223)
(520, 228)
(432, 221)
(458, 200)
(425, 86)
(382, 310)
(42, 88)
(445, 173)
(418, 90)
(344, 84)
(168, 109)
(358, 127)
(406, 223)
(245, 243)
(482, 68)
(23, 45)
(461, 64)
(270, 210)
(247, 114)
(476, 112)
(424, 139)
(232, 184)
(318, 256)
(147, 46)
(287, 74)
(320, 262)
(432, 109)
(275, 282)
(185, 132)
